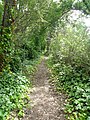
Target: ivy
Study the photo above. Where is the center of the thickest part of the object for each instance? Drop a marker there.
(12, 92)
(25, 30)
(69, 59)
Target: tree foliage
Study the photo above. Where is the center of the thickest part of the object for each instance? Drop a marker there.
(70, 59)
(83, 5)
(25, 31)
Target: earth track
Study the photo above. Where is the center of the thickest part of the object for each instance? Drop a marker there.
(46, 103)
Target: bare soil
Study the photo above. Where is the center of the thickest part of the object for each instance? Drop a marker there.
(46, 103)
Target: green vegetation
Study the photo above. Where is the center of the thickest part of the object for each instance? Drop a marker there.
(14, 89)
(27, 27)
(12, 93)
(70, 61)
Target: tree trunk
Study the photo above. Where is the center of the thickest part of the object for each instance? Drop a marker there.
(5, 28)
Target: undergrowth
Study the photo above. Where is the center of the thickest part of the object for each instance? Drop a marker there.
(14, 88)
(77, 90)
(70, 64)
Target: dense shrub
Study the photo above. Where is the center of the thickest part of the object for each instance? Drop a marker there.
(70, 58)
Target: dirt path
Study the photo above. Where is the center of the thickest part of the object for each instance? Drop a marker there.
(46, 103)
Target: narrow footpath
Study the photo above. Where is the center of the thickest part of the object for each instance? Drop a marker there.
(46, 103)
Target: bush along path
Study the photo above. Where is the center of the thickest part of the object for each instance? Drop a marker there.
(46, 103)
